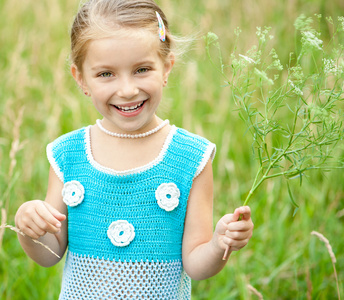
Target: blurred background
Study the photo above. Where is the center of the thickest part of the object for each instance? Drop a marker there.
(39, 101)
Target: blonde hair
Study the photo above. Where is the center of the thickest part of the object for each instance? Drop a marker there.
(101, 18)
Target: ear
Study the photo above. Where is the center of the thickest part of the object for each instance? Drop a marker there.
(79, 79)
(168, 65)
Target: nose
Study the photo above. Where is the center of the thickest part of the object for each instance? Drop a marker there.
(127, 88)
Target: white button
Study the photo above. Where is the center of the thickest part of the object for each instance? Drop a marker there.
(167, 195)
(121, 233)
(73, 193)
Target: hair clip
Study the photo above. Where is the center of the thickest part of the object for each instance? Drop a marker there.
(162, 31)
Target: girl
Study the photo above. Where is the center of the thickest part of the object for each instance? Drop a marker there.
(131, 196)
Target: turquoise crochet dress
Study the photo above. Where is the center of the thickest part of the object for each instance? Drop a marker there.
(125, 228)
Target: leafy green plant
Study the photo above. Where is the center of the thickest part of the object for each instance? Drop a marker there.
(294, 113)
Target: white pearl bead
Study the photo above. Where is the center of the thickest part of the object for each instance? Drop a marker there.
(133, 136)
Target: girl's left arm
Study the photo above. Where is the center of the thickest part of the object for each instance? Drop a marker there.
(203, 250)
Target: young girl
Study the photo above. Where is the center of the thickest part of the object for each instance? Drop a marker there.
(131, 196)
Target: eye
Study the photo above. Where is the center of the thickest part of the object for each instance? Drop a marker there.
(142, 70)
(105, 74)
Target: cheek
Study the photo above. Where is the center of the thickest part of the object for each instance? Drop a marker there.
(158, 82)
(96, 103)
(157, 89)
(99, 99)
(101, 93)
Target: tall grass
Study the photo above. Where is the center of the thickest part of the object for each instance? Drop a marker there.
(40, 101)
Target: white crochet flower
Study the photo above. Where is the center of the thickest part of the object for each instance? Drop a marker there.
(121, 233)
(73, 193)
(167, 195)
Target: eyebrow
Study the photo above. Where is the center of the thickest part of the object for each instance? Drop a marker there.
(146, 62)
(143, 62)
(100, 67)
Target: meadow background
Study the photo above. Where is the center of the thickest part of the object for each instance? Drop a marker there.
(40, 101)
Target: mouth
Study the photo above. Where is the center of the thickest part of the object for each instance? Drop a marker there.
(130, 109)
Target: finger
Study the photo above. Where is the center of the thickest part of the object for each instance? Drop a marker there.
(240, 226)
(61, 217)
(46, 220)
(244, 212)
(38, 231)
(32, 231)
(234, 244)
(238, 235)
(236, 215)
(42, 224)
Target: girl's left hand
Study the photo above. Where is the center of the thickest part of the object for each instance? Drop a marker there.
(232, 232)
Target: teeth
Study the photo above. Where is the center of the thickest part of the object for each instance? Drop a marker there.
(127, 108)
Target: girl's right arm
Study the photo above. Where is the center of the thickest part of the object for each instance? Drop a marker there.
(45, 221)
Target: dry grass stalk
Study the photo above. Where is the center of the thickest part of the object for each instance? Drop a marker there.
(309, 285)
(255, 292)
(3, 222)
(23, 234)
(16, 145)
(327, 243)
(333, 258)
(340, 214)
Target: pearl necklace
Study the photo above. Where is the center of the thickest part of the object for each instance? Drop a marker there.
(132, 136)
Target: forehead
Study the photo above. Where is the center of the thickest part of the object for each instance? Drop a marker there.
(127, 45)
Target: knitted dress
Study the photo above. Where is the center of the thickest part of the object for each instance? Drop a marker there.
(125, 228)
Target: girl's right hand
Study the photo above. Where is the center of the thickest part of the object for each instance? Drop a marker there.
(35, 218)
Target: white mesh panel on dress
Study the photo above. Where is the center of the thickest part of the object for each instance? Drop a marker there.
(92, 278)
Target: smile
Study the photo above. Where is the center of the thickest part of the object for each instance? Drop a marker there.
(130, 108)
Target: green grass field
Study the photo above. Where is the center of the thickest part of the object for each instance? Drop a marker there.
(40, 101)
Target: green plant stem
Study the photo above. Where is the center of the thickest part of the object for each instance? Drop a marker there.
(258, 181)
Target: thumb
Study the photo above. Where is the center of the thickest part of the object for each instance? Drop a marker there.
(222, 224)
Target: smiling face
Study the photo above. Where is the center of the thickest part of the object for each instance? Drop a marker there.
(124, 75)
